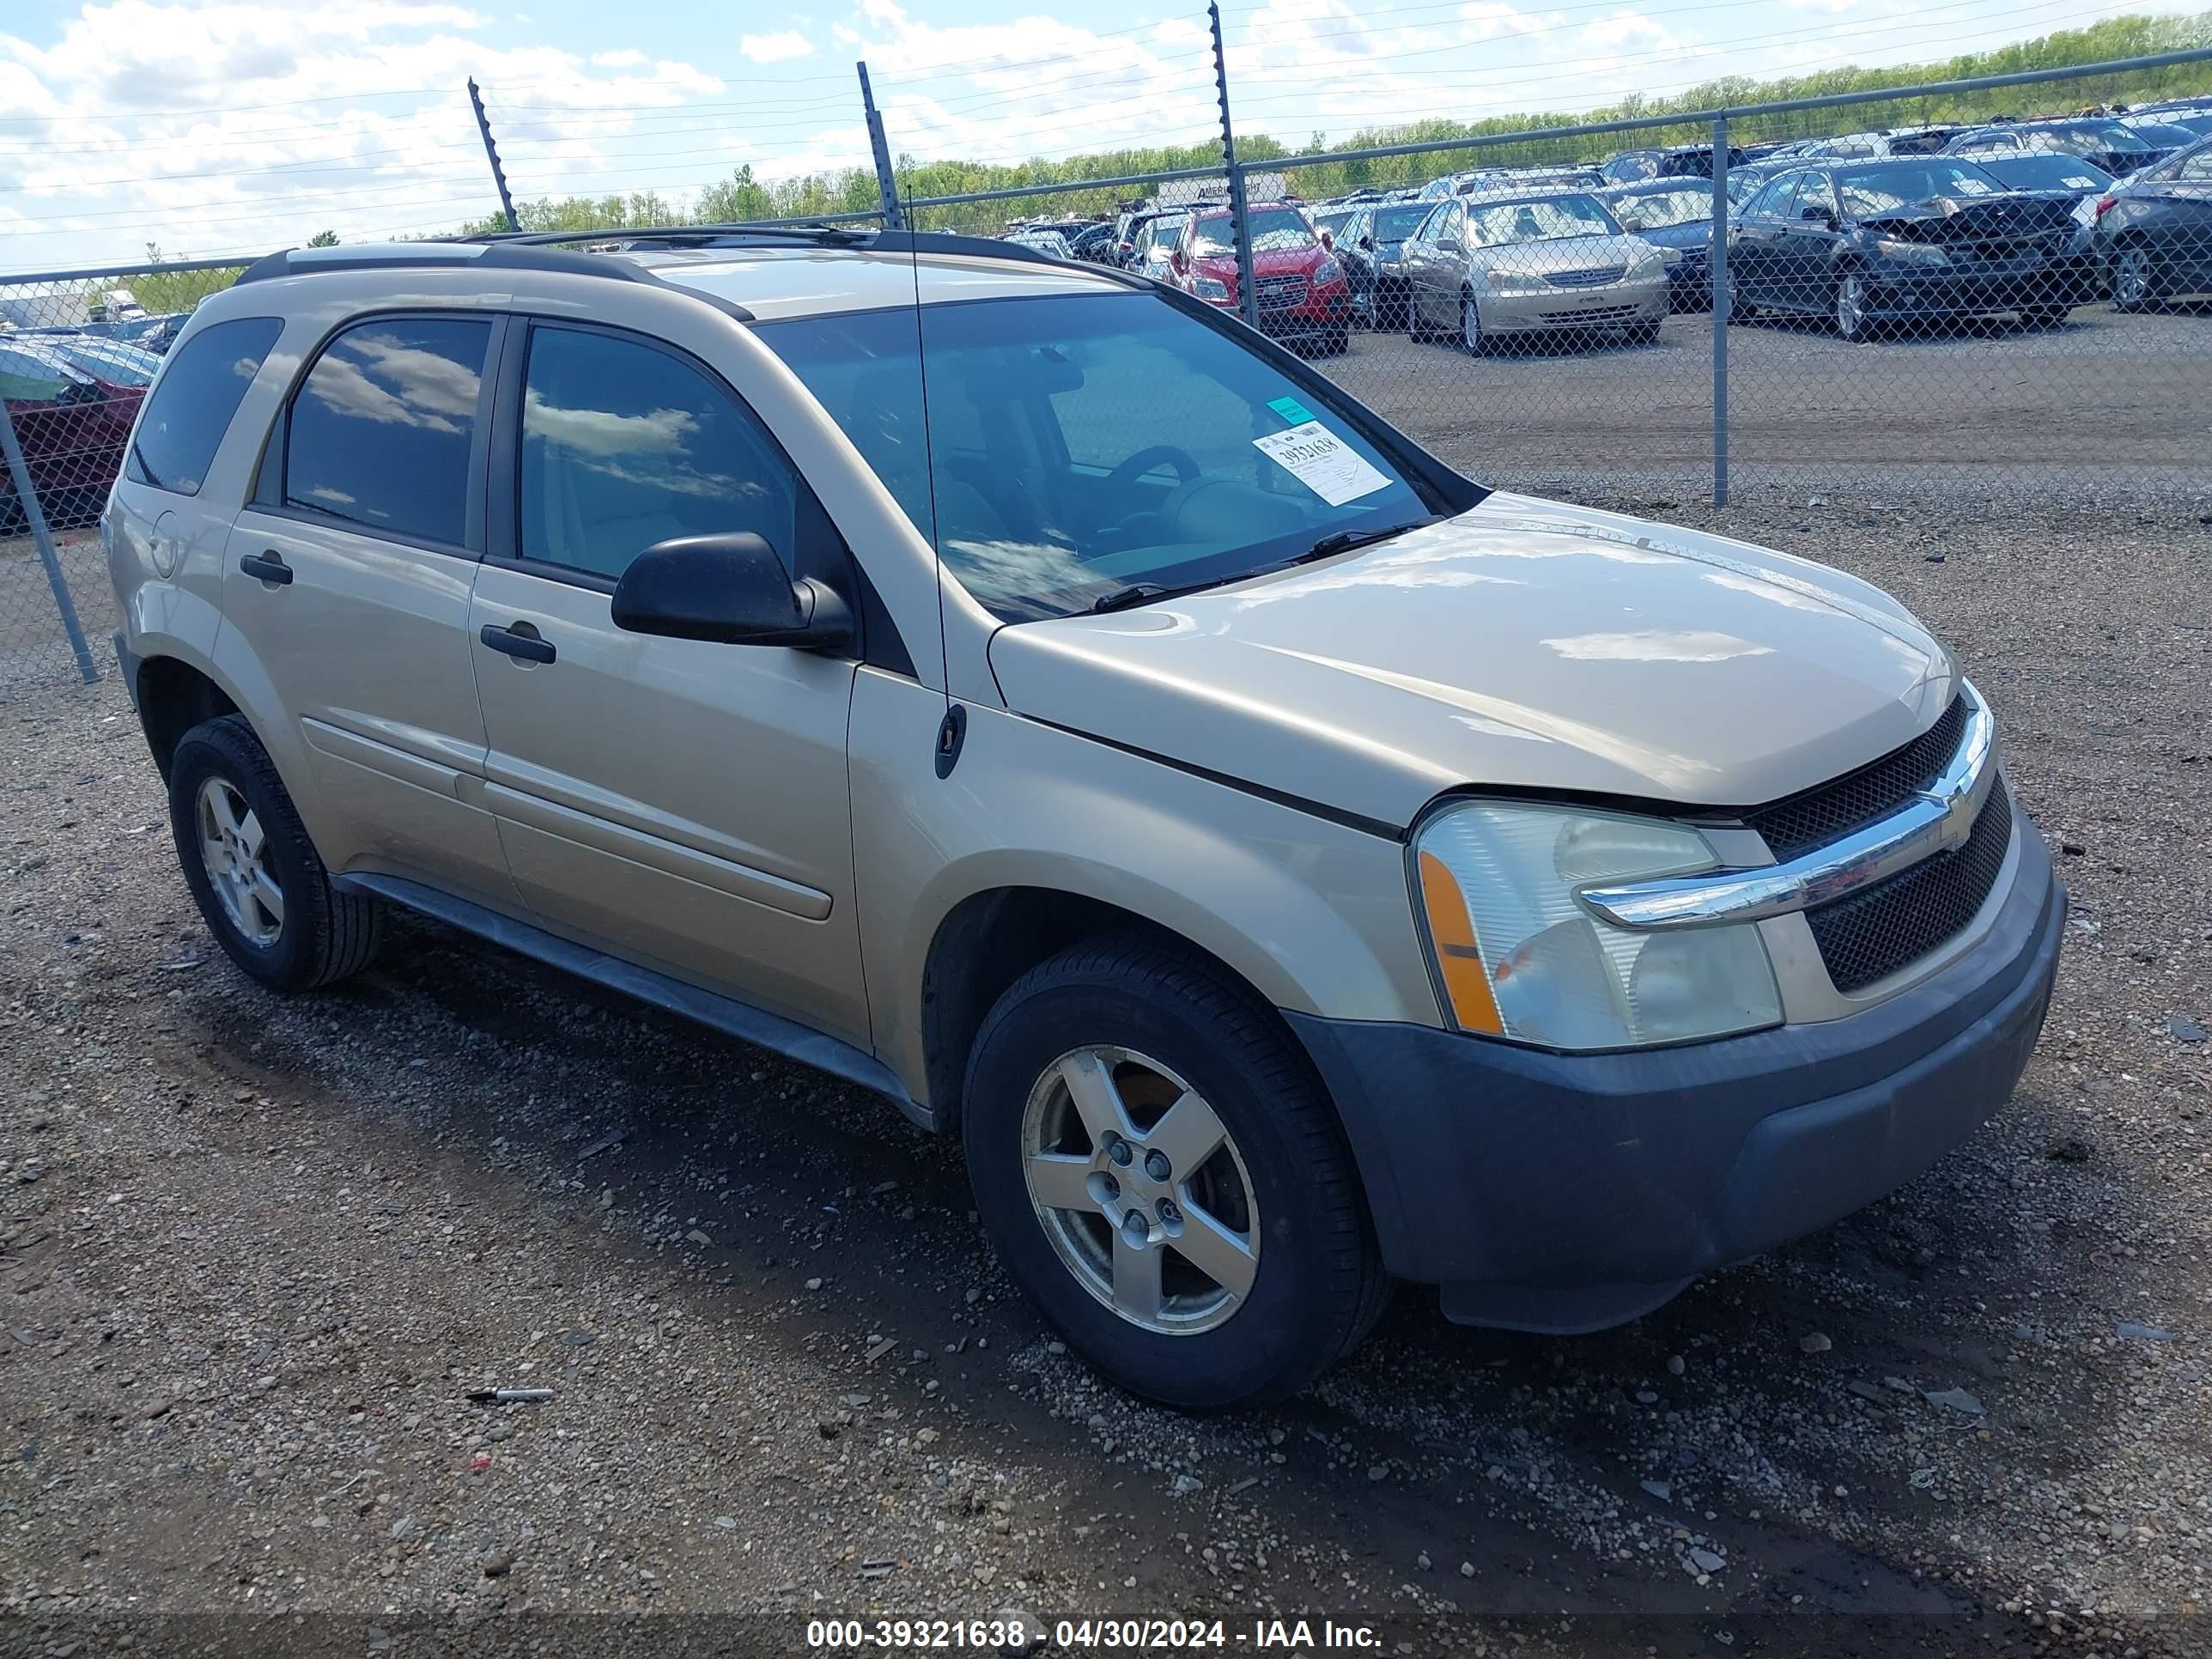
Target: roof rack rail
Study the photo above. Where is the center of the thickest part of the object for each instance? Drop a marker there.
(695, 235)
(449, 255)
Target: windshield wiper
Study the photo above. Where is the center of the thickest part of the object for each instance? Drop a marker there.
(1342, 540)
(1135, 593)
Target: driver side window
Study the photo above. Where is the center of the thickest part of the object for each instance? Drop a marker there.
(624, 444)
(1773, 202)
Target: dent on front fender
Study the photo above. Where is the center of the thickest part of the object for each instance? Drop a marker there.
(1314, 914)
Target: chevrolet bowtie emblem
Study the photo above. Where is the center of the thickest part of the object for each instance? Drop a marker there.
(1957, 817)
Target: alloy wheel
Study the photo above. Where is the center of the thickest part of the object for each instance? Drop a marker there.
(235, 851)
(1851, 306)
(1470, 324)
(2131, 279)
(1141, 1190)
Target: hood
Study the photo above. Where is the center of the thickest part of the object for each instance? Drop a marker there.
(1951, 219)
(1561, 254)
(1265, 261)
(1693, 234)
(1524, 645)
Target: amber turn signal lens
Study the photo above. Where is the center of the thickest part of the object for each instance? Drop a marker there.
(1467, 983)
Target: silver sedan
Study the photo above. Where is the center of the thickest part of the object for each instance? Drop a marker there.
(1483, 267)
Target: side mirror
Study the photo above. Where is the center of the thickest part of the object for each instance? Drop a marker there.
(1328, 240)
(1180, 261)
(1634, 227)
(729, 588)
(1367, 242)
(1819, 215)
(1448, 245)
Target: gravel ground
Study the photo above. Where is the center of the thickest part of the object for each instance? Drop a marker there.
(254, 1253)
(2115, 404)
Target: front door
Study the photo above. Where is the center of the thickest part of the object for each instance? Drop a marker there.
(348, 578)
(1806, 250)
(679, 803)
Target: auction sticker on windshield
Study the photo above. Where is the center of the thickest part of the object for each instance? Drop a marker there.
(1322, 462)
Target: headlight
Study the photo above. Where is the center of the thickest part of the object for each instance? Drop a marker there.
(1671, 256)
(1328, 271)
(1912, 253)
(1212, 287)
(1517, 282)
(1519, 957)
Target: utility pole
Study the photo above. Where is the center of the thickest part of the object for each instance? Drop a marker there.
(886, 185)
(1247, 297)
(491, 155)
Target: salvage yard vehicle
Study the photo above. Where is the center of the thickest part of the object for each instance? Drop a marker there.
(1372, 253)
(1300, 288)
(71, 420)
(1867, 243)
(1020, 688)
(2154, 235)
(1560, 266)
(1677, 219)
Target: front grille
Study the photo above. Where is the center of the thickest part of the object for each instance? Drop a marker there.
(1881, 929)
(1595, 276)
(1281, 290)
(1858, 798)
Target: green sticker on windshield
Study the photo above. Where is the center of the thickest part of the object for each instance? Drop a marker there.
(1290, 410)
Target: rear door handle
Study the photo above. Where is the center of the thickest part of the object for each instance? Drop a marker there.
(528, 646)
(268, 567)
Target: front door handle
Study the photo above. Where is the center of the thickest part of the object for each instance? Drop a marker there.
(268, 567)
(527, 645)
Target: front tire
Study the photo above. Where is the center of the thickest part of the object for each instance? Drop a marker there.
(1853, 300)
(2134, 279)
(1160, 1171)
(1472, 339)
(255, 875)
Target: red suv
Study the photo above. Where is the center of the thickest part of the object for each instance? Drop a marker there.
(1302, 293)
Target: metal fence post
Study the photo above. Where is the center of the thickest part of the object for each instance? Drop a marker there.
(886, 181)
(491, 155)
(1716, 274)
(43, 537)
(1248, 295)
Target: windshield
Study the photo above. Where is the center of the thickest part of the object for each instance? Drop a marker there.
(1274, 230)
(1896, 185)
(1079, 444)
(2046, 173)
(1547, 221)
(1392, 225)
(1661, 208)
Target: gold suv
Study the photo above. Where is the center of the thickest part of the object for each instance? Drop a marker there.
(1289, 866)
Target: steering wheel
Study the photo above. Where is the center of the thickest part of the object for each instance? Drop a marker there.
(1118, 483)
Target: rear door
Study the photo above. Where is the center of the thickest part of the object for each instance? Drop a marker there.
(1754, 242)
(680, 803)
(349, 574)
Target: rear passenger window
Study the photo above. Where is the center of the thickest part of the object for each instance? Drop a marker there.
(191, 407)
(624, 444)
(381, 431)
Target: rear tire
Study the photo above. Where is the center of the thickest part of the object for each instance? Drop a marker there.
(1847, 310)
(255, 875)
(1072, 1086)
(1472, 339)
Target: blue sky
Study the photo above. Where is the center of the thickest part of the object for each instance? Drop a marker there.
(247, 124)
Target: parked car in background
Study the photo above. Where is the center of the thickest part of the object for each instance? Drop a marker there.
(2153, 237)
(1887, 141)
(2080, 183)
(1156, 244)
(1676, 217)
(1050, 243)
(1867, 243)
(1489, 180)
(1298, 284)
(1093, 243)
(2164, 137)
(2110, 144)
(1676, 161)
(1371, 253)
(1482, 270)
(71, 425)
(2195, 117)
(1330, 219)
(110, 362)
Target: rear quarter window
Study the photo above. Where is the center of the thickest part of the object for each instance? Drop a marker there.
(194, 401)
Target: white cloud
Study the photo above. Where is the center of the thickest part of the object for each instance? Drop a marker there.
(784, 45)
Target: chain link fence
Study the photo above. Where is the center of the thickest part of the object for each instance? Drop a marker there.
(77, 351)
(1965, 296)
(1968, 292)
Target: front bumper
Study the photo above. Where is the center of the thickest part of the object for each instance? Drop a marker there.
(1908, 291)
(1560, 1193)
(1618, 305)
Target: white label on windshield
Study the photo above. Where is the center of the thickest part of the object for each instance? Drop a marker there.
(1322, 462)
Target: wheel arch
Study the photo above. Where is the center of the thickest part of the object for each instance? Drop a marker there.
(993, 936)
